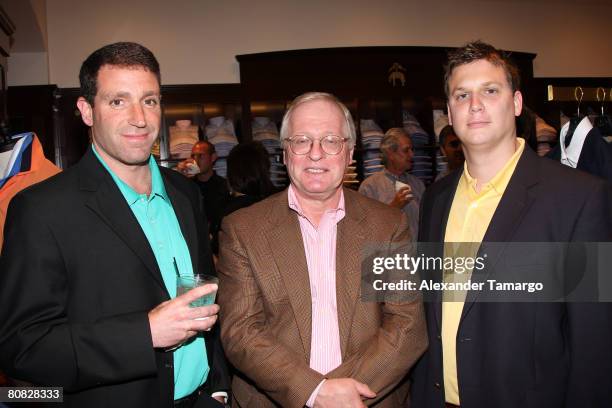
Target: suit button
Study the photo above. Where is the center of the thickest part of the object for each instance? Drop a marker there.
(439, 337)
(169, 365)
(437, 385)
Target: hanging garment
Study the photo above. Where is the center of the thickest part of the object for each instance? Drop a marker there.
(32, 168)
(587, 151)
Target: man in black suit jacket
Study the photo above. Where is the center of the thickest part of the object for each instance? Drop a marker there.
(84, 302)
(512, 354)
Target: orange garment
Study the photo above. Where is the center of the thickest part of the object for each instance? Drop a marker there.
(40, 169)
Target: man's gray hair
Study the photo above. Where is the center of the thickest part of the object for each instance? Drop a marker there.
(390, 142)
(349, 127)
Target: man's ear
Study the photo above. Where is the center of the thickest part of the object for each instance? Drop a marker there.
(518, 103)
(86, 111)
(450, 117)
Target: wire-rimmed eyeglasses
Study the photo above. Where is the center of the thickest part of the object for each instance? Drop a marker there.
(302, 144)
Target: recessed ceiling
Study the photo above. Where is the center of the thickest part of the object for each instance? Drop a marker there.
(28, 36)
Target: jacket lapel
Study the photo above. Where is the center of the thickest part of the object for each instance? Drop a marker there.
(513, 206)
(440, 210)
(287, 246)
(349, 247)
(109, 204)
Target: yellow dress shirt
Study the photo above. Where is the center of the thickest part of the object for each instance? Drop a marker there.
(468, 220)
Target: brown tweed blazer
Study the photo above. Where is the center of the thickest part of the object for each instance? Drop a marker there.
(264, 294)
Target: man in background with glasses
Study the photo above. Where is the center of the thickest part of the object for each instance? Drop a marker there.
(394, 185)
(293, 324)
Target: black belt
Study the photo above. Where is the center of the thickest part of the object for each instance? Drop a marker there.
(189, 400)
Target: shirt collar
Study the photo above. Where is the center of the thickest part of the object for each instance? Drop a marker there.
(499, 182)
(295, 205)
(402, 177)
(570, 155)
(131, 196)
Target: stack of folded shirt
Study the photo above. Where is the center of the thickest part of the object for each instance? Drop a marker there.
(440, 122)
(441, 163)
(371, 136)
(413, 127)
(155, 149)
(220, 132)
(350, 176)
(182, 138)
(266, 132)
(422, 166)
(546, 136)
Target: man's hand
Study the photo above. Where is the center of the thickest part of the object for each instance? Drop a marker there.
(343, 392)
(181, 167)
(402, 197)
(188, 167)
(173, 322)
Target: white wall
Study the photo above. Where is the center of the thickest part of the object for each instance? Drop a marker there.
(28, 64)
(196, 40)
(27, 68)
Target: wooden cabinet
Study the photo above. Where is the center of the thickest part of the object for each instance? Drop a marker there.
(7, 28)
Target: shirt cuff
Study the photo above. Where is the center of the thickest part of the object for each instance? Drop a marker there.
(313, 396)
(220, 394)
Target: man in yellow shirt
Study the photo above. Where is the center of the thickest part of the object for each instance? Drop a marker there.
(489, 353)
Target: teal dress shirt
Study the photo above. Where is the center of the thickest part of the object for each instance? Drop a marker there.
(161, 227)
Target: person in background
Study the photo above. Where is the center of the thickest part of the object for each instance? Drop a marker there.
(394, 185)
(450, 145)
(248, 175)
(212, 186)
(526, 128)
(294, 326)
(91, 256)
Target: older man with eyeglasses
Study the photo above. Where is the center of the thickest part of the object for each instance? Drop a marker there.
(294, 325)
(394, 185)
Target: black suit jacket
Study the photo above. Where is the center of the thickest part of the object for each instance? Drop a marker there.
(77, 280)
(525, 354)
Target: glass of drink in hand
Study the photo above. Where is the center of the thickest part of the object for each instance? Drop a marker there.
(184, 283)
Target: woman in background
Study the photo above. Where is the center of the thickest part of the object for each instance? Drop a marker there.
(248, 176)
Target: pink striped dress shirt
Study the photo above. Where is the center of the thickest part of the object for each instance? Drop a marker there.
(320, 248)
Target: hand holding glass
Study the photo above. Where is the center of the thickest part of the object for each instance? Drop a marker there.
(184, 283)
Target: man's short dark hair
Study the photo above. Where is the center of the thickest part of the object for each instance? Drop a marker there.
(479, 50)
(122, 54)
(210, 148)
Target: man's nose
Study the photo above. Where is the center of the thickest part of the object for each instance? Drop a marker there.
(316, 151)
(475, 104)
(137, 116)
